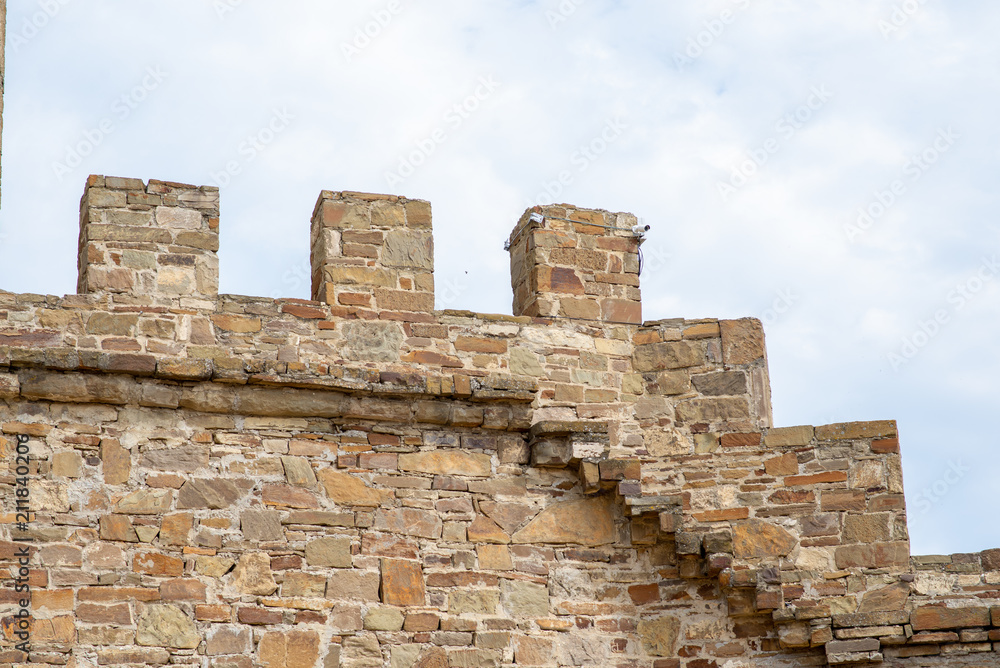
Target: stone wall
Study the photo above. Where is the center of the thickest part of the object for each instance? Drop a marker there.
(238, 482)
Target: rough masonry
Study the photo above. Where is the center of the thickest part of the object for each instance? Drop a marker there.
(362, 481)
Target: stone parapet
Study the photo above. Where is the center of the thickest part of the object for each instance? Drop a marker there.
(240, 482)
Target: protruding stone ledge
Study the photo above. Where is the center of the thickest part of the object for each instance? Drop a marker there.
(561, 444)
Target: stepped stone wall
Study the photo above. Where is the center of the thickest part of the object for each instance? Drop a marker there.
(362, 481)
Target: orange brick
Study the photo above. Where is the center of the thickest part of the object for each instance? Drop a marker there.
(816, 478)
(723, 515)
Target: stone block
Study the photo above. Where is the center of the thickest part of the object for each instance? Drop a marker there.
(402, 583)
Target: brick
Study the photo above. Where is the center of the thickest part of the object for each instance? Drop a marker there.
(932, 618)
(816, 478)
(856, 430)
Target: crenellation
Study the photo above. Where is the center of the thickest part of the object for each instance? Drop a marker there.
(360, 480)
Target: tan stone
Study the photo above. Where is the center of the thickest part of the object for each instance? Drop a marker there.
(474, 602)
(524, 599)
(494, 558)
(742, 340)
(347, 490)
(174, 529)
(510, 516)
(294, 649)
(533, 651)
(383, 619)
(213, 567)
(449, 463)
(298, 471)
(330, 552)
(584, 522)
(410, 522)
(351, 584)
(166, 626)
(117, 462)
(524, 363)
(306, 585)
(659, 636)
(789, 437)
(787, 464)
(888, 598)
(755, 539)
(67, 464)
(253, 575)
(485, 530)
(261, 525)
(146, 502)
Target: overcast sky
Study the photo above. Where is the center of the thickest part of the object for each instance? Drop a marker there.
(750, 134)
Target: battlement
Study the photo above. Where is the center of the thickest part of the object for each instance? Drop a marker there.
(360, 480)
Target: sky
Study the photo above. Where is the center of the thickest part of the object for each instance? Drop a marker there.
(827, 166)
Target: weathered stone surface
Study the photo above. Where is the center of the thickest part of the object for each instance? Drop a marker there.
(294, 649)
(146, 502)
(347, 490)
(932, 618)
(485, 530)
(409, 521)
(383, 619)
(67, 464)
(742, 340)
(117, 527)
(659, 636)
(166, 626)
(211, 494)
(668, 355)
(253, 575)
(524, 599)
(331, 552)
(524, 363)
(584, 522)
(117, 462)
(756, 539)
(510, 516)
(229, 640)
(298, 471)
(888, 598)
(372, 341)
(402, 583)
(450, 463)
(186, 459)
(307, 585)
(721, 383)
(353, 584)
(261, 525)
(713, 409)
(474, 602)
